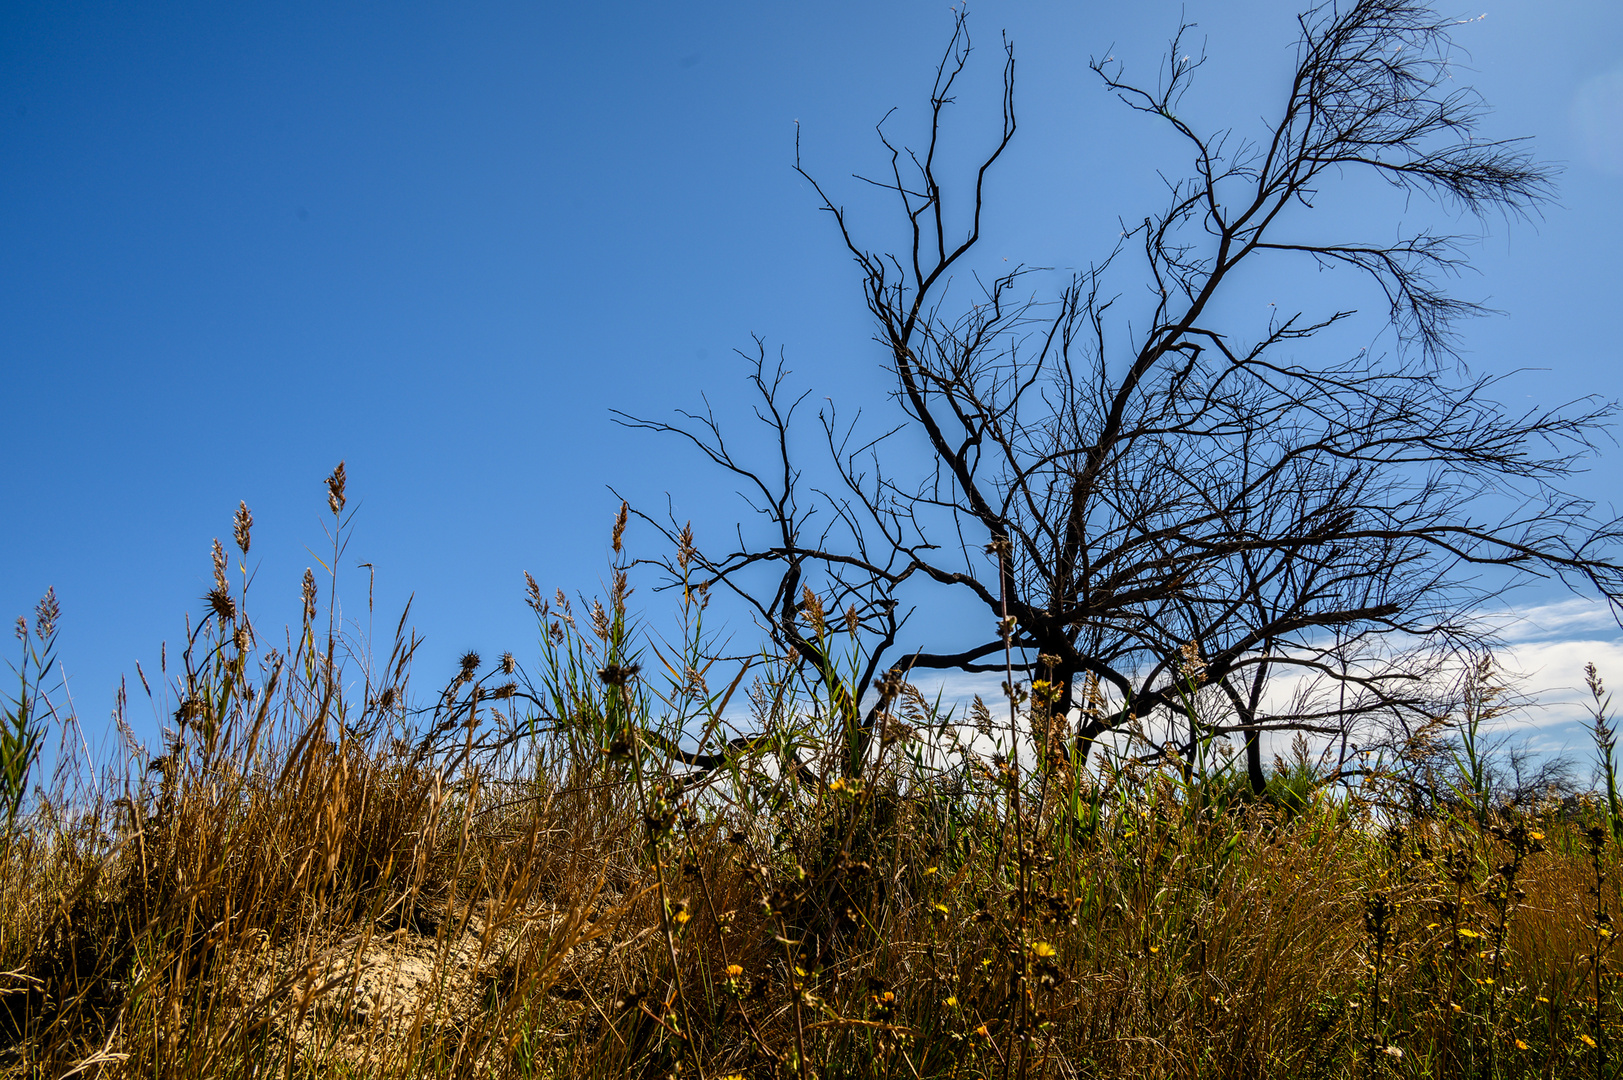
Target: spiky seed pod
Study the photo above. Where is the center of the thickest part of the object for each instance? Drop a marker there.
(508, 663)
(335, 490)
(618, 674)
(470, 663)
(220, 602)
(241, 525)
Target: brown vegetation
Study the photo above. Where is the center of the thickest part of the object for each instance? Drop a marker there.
(529, 878)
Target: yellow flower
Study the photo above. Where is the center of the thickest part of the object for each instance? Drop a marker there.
(1463, 932)
(734, 971)
(1520, 1045)
(1586, 1040)
(952, 1001)
(1155, 948)
(981, 1031)
(837, 784)
(942, 908)
(1042, 949)
(1535, 836)
(928, 870)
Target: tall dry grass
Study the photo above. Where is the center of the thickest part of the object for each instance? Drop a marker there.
(321, 872)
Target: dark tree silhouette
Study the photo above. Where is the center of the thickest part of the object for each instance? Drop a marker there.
(1145, 506)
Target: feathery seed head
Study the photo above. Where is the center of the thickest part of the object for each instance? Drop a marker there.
(46, 612)
(620, 520)
(335, 490)
(241, 526)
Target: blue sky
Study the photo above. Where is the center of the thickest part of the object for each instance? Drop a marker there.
(239, 243)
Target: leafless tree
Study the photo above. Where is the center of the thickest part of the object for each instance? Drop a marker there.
(1179, 500)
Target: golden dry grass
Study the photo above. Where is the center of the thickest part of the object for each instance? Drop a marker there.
(311, 879)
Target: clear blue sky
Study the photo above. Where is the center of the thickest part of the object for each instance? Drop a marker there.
(241, 242)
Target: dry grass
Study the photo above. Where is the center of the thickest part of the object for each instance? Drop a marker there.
(312, 879)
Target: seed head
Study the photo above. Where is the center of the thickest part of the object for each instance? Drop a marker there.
(684, 546)
(508, 663)
(335, 490)
(812, 606)
(618, 592)
(219, 600)
(309, 591)
(532, 595)
(620, 524)
(219, 567)
(46, 612)
(470, 663)
(22, 628)
(240, 527)
(618, 674)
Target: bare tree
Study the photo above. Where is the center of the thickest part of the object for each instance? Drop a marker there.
(1140, 507)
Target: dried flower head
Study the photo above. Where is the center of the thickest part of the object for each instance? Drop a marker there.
(853, 621)
(684, 546)
(600, 620)
(618, 674)
(219, 566)
(508, 663)
(309, 593)
(812, 607)
(1191, 667)
(469, 663)
(335, 490)
(241, 526)
(620, 520)
(618, 591)
(532, 595)
(980, 717)
(46, 612)
(22, 628)
(221, 604)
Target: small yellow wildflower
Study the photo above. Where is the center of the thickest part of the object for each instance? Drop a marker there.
(952, 1001)
(1587, 1041)
(837, 784)
(942, 908)
(1535, 835)
(1464, 933)
(734, 971)
(1042, 949)
(1520, 1045)
(1155, 948)
(983, 1033)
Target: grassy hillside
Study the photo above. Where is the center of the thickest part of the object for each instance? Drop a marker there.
(323, 873)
